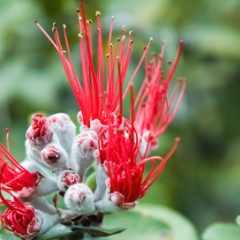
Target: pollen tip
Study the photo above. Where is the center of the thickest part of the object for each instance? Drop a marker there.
(64, 26)
(130, 33)
(90, 21)
(131, 42)
(163, 42)
(54, 24)
(113, 17)
(107, 55)
(118, 39)
(98, 13)
(35, 21)
(123, 27)
(80, 35)
(151, 39)
(78, 10)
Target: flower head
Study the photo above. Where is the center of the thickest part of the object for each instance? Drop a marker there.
(120, 154)
(14, 176)
(19, 218)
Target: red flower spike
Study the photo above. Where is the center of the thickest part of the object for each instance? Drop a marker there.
(14, 177)
(125, 164)
(154, 109)
(96, 92)
(18, 218)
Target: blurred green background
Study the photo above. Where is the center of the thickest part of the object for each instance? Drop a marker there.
(201, 180)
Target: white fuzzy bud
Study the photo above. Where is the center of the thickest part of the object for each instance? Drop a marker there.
(67, 178)
(55, 157)
(83, 148)
(34, 153)
(64, 128)
(95, 125)
(79, 198)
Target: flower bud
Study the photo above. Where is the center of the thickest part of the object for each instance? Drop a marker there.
(83, 148)
(55, 157)
(66, 179)
(40, 132)
(64, 128)
(95, 125)
(79, 198)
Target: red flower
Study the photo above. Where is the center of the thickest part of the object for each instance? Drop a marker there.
(19, 218)
(98, 92)
(119, 148)
(14, 177)
(154, 109)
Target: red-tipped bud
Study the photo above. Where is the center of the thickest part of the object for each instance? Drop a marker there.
(79, 198)
(40, 132)
(67, 178)
(83, 148)
(55, 157)
(64, 128)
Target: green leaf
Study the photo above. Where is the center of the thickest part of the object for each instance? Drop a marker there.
(98, 232)
(59, 231)
(56, 232)
(151, 222)
(222, 231)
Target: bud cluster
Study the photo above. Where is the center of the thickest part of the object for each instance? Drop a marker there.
(59, 157)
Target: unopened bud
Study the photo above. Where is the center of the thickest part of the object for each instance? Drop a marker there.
(83, 148)
(40, 132)
(95, 125)
(67, 178)
(64, 128)
(79, 198)
(55, 157)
